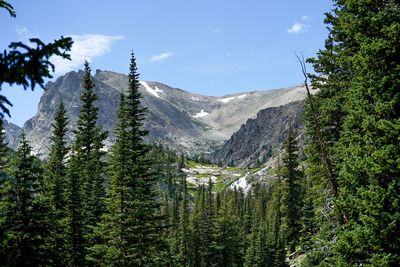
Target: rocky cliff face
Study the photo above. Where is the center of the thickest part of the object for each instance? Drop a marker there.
(186, 122)
(258, 139)
(12, 133)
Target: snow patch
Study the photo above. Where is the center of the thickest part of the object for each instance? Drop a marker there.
(226, 100)
(201, 114)
(151, 90)
(241, 183)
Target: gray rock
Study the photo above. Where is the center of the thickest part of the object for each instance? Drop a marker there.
(257, 140)
(12, 133)
(186, 122)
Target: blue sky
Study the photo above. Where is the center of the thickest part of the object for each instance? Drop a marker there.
(211, 47)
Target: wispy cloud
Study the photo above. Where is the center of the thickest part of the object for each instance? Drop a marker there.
(85, 47)
(215, 29)
(161, 57)
(299, 26)
(24, 33)
(21, 30)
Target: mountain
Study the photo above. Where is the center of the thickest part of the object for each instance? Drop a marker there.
(12, 133)
(183, 121)
(257, 140)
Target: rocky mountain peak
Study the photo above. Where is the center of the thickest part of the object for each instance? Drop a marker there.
(187, 122)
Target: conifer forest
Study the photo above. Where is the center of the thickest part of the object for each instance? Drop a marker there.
(332, 199)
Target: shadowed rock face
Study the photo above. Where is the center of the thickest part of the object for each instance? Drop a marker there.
(186, 122)
(12, 133)
(256, 140)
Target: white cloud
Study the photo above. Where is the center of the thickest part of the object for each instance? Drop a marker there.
(304, 18)
(21, 30)
(85, 47)
(215, 29)
(299, 26)
(160, 57)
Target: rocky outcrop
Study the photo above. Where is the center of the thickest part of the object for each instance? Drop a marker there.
(12, 133)
(258, 139)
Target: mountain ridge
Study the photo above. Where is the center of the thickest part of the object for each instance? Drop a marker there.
(187, 122)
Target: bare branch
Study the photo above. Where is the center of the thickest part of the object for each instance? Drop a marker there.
(323, 148)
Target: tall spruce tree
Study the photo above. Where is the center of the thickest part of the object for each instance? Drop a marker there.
(75, 215)
(56, 184)
(111, 247)
(184, 242)
(23, 211)
(293, 191)
(132, 222)
(144, 215)
(55, 168)
(87, 149)
(86, 180)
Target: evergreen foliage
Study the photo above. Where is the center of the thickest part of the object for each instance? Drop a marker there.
(23, 211)
(183, 237)
(132, 222)
(143, 215)
(55, 168)
(343, 210)
(358, 112)
(56, 184)
(75, 214)
(227, 244)
(86, 175)
(26, 65)
(292, 197)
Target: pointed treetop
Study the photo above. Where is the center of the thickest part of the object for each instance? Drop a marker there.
(133, 75)
(60, 117)
(87, 82)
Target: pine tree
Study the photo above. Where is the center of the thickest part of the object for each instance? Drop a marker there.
(75, 214)
(87, 149)
(197, 228)
(251, 250)
(174, 223)
(23, 211)
(227, 246)
(208, 222)
(55, 168)
(167, 234)
(293, 191)
(184, 246)
(144, 214)
(111, 246)
(85, 172)
(3, 177)
(132, 223)
(275, 229)
(55, 179)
